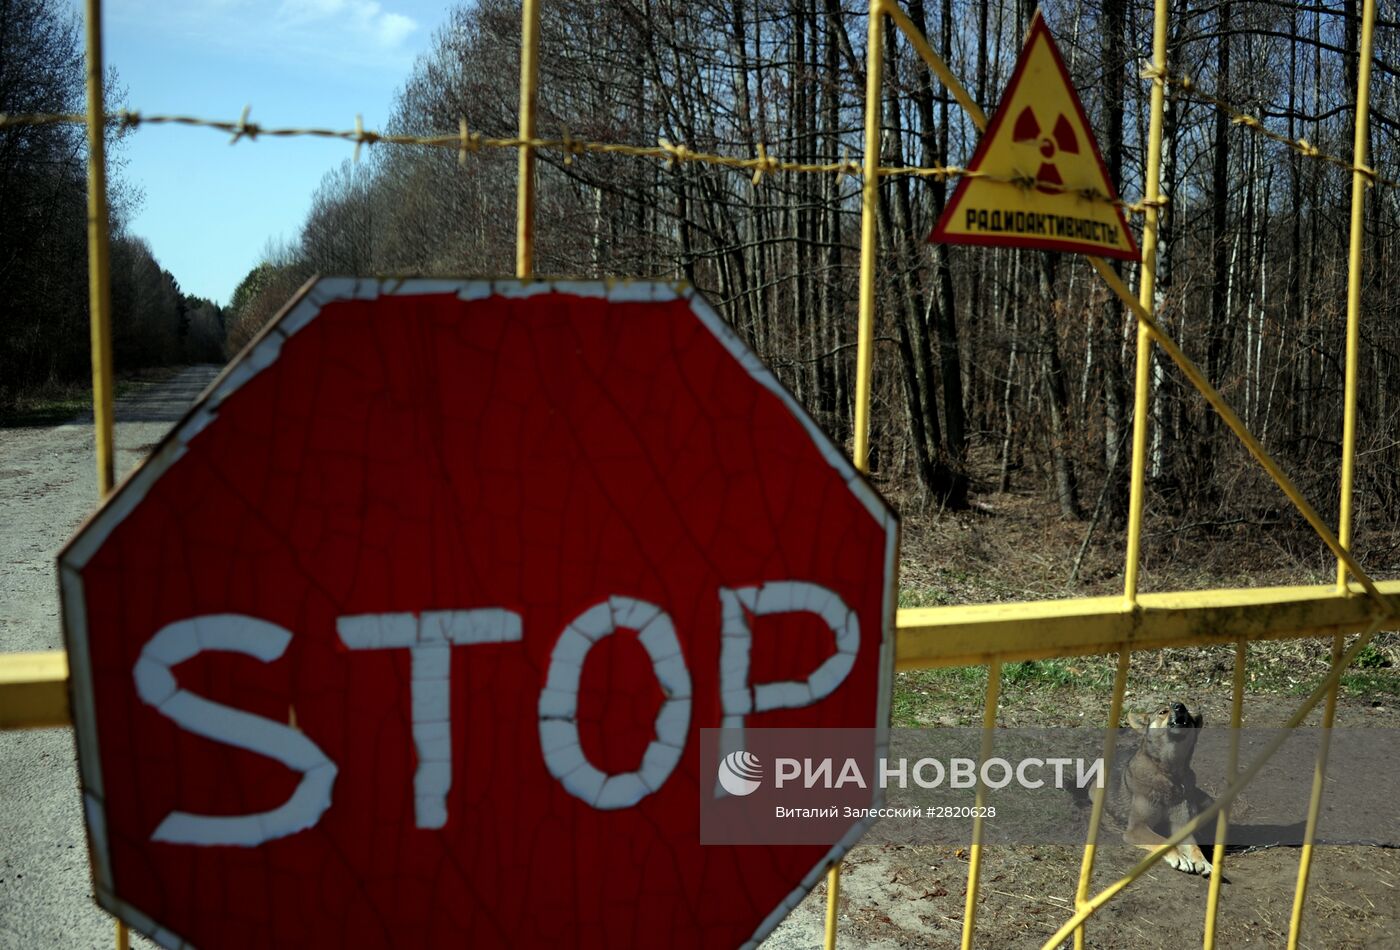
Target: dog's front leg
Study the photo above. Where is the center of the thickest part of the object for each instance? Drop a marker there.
(1184, 857)
(1193, 860)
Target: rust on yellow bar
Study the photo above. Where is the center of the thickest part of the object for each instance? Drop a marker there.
(33, 690)
(971, 634)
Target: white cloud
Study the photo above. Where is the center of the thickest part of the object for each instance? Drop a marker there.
(366, 19)
(394, 28)
(369, 36)
(310, 9)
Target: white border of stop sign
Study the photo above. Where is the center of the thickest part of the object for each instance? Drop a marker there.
(156, 684)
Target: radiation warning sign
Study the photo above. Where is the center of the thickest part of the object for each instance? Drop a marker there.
(1039, 135)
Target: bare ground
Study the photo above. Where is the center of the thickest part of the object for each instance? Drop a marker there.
(48, 485)
(913, 896)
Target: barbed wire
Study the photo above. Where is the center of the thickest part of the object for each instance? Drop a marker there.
(466, 143)
(1254, 124)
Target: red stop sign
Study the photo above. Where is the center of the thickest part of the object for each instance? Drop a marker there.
(407, 632)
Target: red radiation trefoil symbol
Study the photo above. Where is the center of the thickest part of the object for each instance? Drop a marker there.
(1061, 139)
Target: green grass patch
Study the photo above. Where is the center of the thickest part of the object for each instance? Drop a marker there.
(923, 597)
(1065, 672)
(49, 408)
(1371, 657)
(1368, 684)
(955, 696)
(57, 403)
(937, 697)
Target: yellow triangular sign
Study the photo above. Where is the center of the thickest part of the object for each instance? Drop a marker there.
(1040, 134)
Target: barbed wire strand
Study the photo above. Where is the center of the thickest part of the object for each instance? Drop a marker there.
(466, 142)
(1254, 124)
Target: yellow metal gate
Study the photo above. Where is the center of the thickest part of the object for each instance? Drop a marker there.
(33, 687)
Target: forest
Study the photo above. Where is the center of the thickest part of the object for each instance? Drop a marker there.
(1019, 361)
(43, 228)
(993, 367)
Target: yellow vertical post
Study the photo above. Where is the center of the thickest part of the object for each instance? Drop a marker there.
(1300, 893)
(865, 333)
(99, 284)
(1359, 184)
(99, 288)
(525, 184)
(974, 864)
(1237, 426)
(1147, 284)
(1222, 820)
(869, 223)
(1110, 746)
(833, 904)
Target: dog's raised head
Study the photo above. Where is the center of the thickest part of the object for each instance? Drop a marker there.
(1162, 795)
(1169, 735)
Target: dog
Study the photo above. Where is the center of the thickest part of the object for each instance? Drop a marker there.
(1155, 793)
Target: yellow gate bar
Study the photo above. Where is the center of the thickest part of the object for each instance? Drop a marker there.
(865, 326)
(33, 690)
(33, 686)
(935, 63)
(1236, 425)
(869, 224)
(100, 308)
(1300, 892)
(970, 635)
(1359, 184)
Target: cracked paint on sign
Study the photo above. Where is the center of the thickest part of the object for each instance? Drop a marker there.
(406, 634)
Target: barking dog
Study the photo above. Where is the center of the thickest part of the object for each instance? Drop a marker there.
(1156, 793)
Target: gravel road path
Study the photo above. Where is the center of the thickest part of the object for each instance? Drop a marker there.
(48, 485)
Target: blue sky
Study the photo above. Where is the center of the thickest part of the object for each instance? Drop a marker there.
(209, 208)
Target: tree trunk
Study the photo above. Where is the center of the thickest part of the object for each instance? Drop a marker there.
(1053, 379)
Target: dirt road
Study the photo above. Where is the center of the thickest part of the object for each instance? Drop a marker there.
(48, 484)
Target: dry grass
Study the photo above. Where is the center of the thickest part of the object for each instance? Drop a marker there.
(1016, 546)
